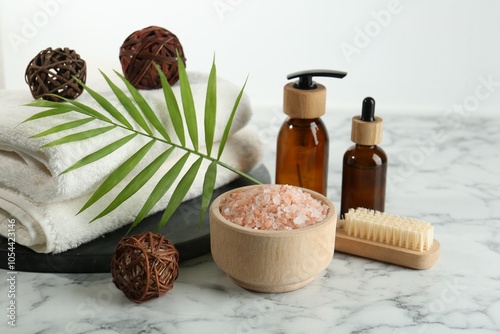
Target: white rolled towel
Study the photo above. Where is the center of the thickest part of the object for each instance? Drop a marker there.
(35, 172)
(55, 227)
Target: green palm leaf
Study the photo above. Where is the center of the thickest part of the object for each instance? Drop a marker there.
(211, 108)
(142, 113)
(103, 102)
(41, 103)
(229, 123)
(64, 126)
(128, 105)
(208, 188)
(180, 192)
(160, 190)
(188, 103)
(80, 136)
(146, 109)
(101, 153)
(84, 109)
(118, 174)
(172, 106)
(60, 109)
(237, 171)
(137, 183)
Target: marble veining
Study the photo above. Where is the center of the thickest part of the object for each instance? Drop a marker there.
(446, 172)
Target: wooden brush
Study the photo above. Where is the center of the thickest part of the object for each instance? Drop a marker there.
(383, 237)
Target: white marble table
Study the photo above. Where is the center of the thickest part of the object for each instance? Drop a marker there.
(444, 170)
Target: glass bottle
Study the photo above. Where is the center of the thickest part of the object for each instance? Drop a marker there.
(302, 145)
(302, 157)
(364, 169)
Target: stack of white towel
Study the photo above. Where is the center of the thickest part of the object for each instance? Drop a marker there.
(44, 203)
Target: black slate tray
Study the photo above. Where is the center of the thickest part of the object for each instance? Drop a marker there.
(95, 257)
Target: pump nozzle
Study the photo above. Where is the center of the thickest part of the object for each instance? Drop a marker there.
(305, 98)
(305, 77)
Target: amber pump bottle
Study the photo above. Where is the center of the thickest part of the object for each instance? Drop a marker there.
(364, 169)
(303, 143)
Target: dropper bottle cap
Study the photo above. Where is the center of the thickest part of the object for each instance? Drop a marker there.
(305, 98)
(367, 128)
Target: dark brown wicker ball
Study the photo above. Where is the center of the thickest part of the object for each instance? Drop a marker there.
(145, 266)
(142, 48)
(52, 71)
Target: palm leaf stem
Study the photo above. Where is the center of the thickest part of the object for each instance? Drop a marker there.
(171, 143)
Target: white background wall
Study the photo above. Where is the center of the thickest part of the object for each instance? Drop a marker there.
(423, 56)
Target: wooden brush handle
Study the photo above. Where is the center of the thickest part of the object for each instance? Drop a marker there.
(386, 253)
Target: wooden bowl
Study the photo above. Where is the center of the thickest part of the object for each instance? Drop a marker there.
(270, 260)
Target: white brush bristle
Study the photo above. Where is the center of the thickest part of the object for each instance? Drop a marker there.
(389, 229)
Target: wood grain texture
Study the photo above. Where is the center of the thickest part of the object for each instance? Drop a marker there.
(307, 104)
(270, 260)
(386, 253)
(366, 133)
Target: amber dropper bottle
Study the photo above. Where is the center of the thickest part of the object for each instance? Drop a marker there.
(364, 170)
(303, 143)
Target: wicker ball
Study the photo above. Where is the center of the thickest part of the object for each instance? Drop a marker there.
(51, 72)
(145, 266)
(142, 48)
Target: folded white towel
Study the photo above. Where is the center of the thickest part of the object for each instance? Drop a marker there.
(55, 227)
(35, 172)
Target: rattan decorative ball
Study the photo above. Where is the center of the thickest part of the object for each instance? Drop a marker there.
(145, 266)
(52, 71)
(142, 48)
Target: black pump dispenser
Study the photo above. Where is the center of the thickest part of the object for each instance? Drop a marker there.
(306, 82)
(305, 98)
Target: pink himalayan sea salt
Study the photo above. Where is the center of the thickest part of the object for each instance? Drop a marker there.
(273, 207)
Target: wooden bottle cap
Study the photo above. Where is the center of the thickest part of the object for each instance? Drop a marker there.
(366, 133)
(300, 103)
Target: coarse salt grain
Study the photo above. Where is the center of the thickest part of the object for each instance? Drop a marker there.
(273, 207)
